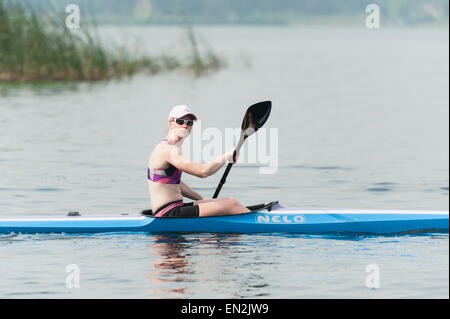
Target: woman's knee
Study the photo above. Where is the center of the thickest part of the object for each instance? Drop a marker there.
(235, 207)
(232, 202)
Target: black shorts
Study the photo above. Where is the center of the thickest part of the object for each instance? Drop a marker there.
(187, 210)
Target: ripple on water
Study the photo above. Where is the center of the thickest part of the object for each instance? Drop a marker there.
(379, 189)
(48, 189)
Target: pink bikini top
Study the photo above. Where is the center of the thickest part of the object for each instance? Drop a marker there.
(170, 175)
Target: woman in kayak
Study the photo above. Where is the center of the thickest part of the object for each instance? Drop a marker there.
(165, 165)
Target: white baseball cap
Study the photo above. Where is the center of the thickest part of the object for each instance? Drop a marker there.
(180, 111)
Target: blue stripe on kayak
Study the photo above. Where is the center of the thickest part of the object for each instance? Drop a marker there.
(274, 221)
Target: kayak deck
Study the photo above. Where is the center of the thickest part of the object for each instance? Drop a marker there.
(269, 219)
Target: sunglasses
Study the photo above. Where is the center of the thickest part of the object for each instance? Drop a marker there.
(181, 122)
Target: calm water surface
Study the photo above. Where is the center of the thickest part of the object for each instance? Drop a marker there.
(224, 266)
(362, 121)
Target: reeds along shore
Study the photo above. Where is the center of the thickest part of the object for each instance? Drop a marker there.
(39, 47)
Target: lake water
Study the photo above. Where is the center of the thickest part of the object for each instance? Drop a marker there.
(360, 119)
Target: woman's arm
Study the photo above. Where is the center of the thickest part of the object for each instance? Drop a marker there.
(188, 192)
(176, 158)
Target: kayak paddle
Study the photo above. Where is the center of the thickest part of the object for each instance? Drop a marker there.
(254, 118)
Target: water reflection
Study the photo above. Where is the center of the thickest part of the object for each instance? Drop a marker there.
(170, 267)
(198, 265)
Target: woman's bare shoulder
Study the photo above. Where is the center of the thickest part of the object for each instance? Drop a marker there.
(161, 151)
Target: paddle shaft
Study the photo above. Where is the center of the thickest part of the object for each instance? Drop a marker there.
(227, 170)
(222, 180)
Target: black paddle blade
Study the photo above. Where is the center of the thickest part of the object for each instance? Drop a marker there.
(255, 117)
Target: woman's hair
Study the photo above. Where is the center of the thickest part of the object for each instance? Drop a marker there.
(167, 131)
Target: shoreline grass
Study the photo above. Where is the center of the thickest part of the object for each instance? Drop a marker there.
(36, 46)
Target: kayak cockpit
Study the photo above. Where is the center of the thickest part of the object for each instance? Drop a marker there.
(253, 208)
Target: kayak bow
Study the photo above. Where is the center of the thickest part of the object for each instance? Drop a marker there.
(268, 218)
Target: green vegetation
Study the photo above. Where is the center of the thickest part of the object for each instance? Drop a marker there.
(37, 46)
